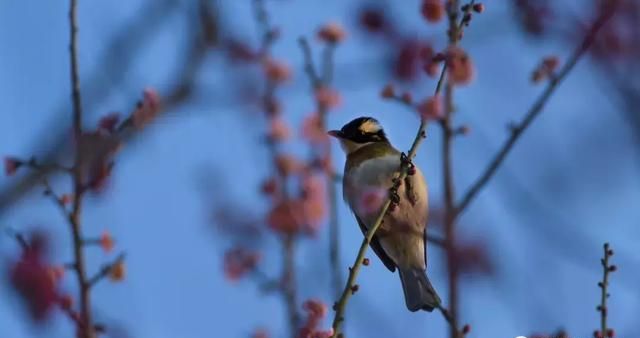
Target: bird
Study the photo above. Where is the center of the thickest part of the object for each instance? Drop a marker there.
(369, 171)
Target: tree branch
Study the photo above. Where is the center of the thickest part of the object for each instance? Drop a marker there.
(534, 111)
(85, 328)
(604, 294)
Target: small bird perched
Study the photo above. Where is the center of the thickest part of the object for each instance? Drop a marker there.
(399, 242)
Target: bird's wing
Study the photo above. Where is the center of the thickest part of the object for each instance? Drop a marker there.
(377, 248)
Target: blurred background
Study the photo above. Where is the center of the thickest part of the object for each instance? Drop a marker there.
(190, 187)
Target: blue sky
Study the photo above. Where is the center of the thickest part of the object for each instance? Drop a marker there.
(570, 184)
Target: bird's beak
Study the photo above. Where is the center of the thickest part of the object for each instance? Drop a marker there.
(335, 133)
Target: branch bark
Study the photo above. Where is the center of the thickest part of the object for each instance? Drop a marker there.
(86, 322)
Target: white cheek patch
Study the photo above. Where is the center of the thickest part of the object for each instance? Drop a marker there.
(370, 127)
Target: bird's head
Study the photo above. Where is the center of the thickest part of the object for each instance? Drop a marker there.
(359, 132)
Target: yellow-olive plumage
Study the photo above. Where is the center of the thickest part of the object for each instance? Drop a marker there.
(399, 242)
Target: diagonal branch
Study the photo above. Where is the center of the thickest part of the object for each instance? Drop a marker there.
(535, 110)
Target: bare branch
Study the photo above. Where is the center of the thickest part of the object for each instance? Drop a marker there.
(535, 110)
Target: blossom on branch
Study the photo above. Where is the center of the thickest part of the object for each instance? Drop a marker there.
(316, 311)
(106, 242)
(238, 262)
(312, 130)
(279, 130)
(459, 66)
(147, 109)
(276, 71)
(34, 280)
(431, 108)
(314, 201)
(11, 165)
(328, 98)
(432, 10)
(286, 217)
(332, 33)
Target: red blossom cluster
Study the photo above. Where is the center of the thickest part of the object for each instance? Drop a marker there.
(432, 10)
(460, 68)
(471, 257)
(546, 69)
(534, 15)
(331, 33)
(300, 214)
(238, 262)
(316, 311)
(35, 280)
(98, 147)
(413, 55)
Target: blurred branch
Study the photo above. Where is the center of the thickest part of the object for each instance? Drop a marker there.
(289, 290)
(518, 129)
(317, 83)
(19, 237)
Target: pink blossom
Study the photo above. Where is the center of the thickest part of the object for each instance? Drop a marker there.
(11, 165)
(459, 66)
(147, 110)
(286, 216)
(328, 98)
(432, 10)
(316, 311)
(314, 201)
(312, 129)
(109, 122)
(279, 130)
(238, 262)
(276, 71)
(431, 109)
(332, 32)
(288, 165)
(34, 280)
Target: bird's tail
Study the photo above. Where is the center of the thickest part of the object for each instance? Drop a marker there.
(419, 294)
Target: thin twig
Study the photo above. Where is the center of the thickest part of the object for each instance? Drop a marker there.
(58, 200)
(105, 270)
(19, 237)
(535, 110)
(86, 329)
(604, 294)
(340, 305)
